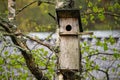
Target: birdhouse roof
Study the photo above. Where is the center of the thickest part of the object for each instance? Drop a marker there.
(68, 13)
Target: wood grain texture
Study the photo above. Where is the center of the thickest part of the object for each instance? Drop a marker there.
(69, 56)
(69, 21)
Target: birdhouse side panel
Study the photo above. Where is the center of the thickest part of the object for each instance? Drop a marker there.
(69, 52)
(69, 25)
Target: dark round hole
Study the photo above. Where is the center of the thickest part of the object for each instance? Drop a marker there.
(68, 27)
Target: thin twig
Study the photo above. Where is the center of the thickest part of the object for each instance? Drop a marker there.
(104, 71)
(29, 4)
(40, 42)
(52, 16)
(49, 36)
(20, 10)
(48, 60)
(105, 13)
(102, 53)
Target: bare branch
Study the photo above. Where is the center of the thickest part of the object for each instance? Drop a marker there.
(17, 40)
(18, 11)
(112, 14)
(40, 42)
(104, 71)
(110, 54)
(105, 13)
(52, 16)
(5, 25)
(29, 4)
(49, 36)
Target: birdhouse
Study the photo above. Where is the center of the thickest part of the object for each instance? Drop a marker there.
(69, 26)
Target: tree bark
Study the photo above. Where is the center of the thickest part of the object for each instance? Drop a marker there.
(17, 40)
(64, 4)
(11, 9)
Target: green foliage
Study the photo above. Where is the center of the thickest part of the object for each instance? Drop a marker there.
(3, 8)
(116, 55)
(36, 18)
(46, 61)
(13, 63)
(12, 66)
(111, 40)
(100, 12)
(105, 46)
(93, 13)
(90, 55)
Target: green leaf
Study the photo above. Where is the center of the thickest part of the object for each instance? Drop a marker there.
(115, 50)
(80, 7)
(116, 55)
(42, 49)
(45, 53)
(51, 70)
(105, 46)
(111, 8)
(1, 69)
(104, 58)
(6, 52)
(90, 4)
(17, 66)
(117, 5)
(92, 18)
(111, 40)
(1, 61)
(53, 57)
(98, 43)
(113, 69)
(85, 43)
(95, 9)
(84, 20)
(101, 16)
(13, 61)
(96, 67)
(118, 65)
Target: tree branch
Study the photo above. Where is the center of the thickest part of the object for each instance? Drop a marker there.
(20, 10)
(104, 71)
(29, 4)
(4, 24)
(99, 54)
(40, 42)
(105, 13)
(30, 61)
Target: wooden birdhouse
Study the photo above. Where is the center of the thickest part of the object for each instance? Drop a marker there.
(69, 26)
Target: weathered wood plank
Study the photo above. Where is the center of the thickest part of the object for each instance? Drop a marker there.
(67, 23)
(69, 56)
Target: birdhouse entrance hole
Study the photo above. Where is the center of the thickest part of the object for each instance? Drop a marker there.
(68, 27)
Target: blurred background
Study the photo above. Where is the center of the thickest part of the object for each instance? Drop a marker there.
(95, 15)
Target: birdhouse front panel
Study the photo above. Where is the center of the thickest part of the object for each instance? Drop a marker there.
(69, 56)
(69, 25)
